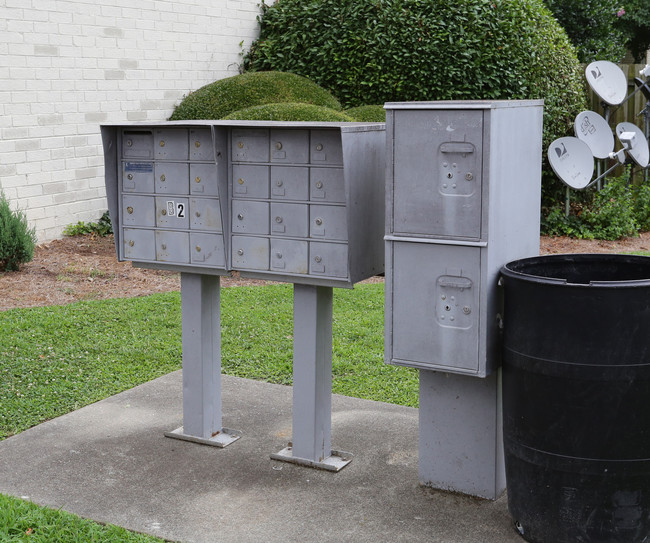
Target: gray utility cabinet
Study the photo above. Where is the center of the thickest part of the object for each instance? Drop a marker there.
(463, 198)
(296, 202)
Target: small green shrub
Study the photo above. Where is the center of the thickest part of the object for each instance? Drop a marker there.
(367, 114)
(17, 240)
(641, 195)
(289, 112)
(101, 228)
(221, 98)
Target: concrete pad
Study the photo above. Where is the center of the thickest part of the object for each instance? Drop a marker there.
(111, 462)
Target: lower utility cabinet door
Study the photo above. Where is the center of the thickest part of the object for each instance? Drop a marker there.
(250, 253)
(435, 315)
(328, 259)
(289, 256)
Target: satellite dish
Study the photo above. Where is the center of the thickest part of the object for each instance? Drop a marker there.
(631, 136)
(607, 80)
(572, 161)
(595, 132)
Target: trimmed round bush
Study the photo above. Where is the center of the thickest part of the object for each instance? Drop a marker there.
(223, 97)
(367, 114)
(289, 112)
(375, 51)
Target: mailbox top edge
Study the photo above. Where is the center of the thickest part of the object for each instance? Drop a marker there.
(347, 126)
(463, 104)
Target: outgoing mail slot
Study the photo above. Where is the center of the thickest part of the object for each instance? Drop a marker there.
(172, 212)
(330, 259)
(171, 178)
(290, 220)
(138, 244)
(137, 144)
(201, 147)
(250, 253)
(250, 181)
(327, 184)
(203, 179)
(207, 249)
(250, 217)
(205, 214)
(289, 183)
(172, 246)
(290, 146)
(325, 147)
(138, 210)
(137, 177)
(289, 256)
(171, 144)
(329, 222)
(250, 145)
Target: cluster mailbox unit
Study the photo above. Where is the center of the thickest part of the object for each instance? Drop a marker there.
(287, 201)
(463, 197)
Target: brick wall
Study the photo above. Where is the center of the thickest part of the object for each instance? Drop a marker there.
(68, 65)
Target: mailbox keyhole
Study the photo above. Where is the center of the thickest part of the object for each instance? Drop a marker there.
(319, 221)
(240, 216)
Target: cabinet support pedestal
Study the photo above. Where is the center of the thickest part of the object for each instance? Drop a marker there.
(201, 318)
(312, 382)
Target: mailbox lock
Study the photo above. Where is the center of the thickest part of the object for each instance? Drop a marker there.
(278, 254)
(240, 144)
(319, 185)
(468, 176)
(198, 248)
(279, 183)
(164, 246)
(197, 179)
(318, 259)
(197, 144)
(129, 210)
(198, 213)
(278, 220)
(467, 310)
(129, 177)
(131, 243)
(164, 212)
(162, 143)
(278, 145)
(319, 147)
(450, 175)
(240, 216)
(162, 178)
(129, 143)
(240, 181)
(319, 221)
(240, 252)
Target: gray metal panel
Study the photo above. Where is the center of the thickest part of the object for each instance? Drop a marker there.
(289, 256)
(172, 177)
(201, 147)
(204, 179)
(326, 185)
(112, 173)
(329, 259)
(250, 145)
(172, 212)
(207, 249)
(171, 144)
(437, 173)
(325, 147)
(137, 143)
(250, 217)
(172, 246)
(205, 214)
(290, 220)
(328, 222)
(137, 176)
(250, 253)
(289, 183)
(250, 181)
(138, 210)
(290, 146)
(435, 306)
(139, 244)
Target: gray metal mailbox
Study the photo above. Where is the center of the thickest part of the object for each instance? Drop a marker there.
(296, 202)
(463, 198)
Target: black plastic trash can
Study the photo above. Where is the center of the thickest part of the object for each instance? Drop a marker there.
(576, 397)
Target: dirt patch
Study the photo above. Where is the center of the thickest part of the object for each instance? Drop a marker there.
(85, 268)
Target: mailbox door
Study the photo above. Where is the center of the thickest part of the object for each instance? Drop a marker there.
(249, 217)
(171, 178)
(137, 144)
(325, 147)
(171, 144)
(137, 177)
(172, 212)
(172, 246)
(326, 185)
(250, 181)
(203, 179)
(201, 144)
(205, 214)
(207, 249)
(435, 298)
(290, 146)
(289, 256)
(289, 183)
(290, 220)
(328, 222)
(138, 244)
(250, 253)
(437, 184)
(138, 210)
(250, 145)
(328, 259)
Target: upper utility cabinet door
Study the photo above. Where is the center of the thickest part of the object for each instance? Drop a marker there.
(437, 173)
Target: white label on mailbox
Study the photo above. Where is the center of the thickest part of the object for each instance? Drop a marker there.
(175, 209)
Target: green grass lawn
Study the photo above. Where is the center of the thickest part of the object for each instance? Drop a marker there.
(57, 359)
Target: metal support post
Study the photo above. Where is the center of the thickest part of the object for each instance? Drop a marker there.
(461, 434)
(201, 318)
(312, 381)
